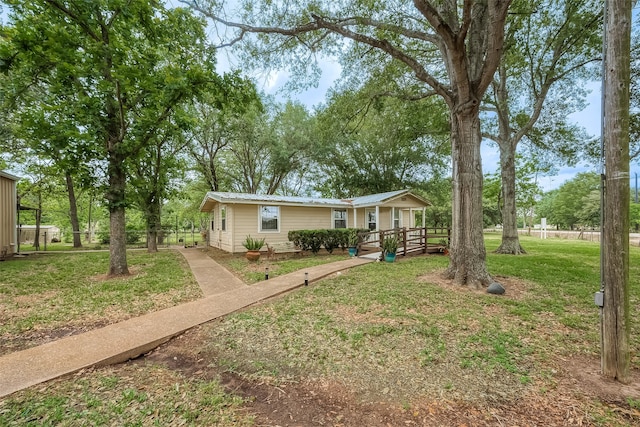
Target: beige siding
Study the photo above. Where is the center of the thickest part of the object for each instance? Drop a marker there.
(384, 221)
(291, 218)
(217, 237)
(7, 215)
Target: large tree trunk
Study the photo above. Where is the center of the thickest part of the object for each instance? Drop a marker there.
(73, 212)
(467, 262)
(153, 224)
(117, 234)
(510, 240)
(615, 257)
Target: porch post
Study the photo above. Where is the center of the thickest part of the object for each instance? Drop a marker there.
(393, 217)
(355, 218)
(378, 225)
(424, 220)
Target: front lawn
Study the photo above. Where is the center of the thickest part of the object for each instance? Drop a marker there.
(43, 297)
(382, 344)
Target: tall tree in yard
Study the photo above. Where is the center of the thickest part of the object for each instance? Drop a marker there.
(615, 257)
(151, 175)
(372, 144)
(452, 48)
(130, 64)
(549, 44)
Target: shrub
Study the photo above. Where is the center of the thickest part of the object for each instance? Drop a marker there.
(103, 237)
(314, 240)
(253, 244)
(132, 236)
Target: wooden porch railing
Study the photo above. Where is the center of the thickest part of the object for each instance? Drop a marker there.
(421, 239)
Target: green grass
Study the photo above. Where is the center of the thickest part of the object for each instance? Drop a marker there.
(116, 397)
(43, 292)
(381, 321)
(387, 332)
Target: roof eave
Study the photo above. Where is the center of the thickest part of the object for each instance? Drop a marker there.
(9, 176)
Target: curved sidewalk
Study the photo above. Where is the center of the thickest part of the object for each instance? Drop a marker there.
(119, 342)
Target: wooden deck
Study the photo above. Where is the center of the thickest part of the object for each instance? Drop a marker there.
(410, 240)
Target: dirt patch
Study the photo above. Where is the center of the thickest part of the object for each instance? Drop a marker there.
(134, 270)
(516, 288)
(583, 374)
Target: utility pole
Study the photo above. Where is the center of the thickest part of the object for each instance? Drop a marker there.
(614, 296)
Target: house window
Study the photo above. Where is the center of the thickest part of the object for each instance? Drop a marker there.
(339, 218)
(396, 218)
(269, 218)
(223, 219)
(371, 219)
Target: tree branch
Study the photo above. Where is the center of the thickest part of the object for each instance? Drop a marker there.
(341, 27)
(75, 18)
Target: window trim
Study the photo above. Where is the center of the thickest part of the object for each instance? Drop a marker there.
(278, 219)
(333, 217)
(223, 218)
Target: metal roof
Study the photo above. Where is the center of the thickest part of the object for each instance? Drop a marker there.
(363, 201)
(375, 199)
(223, 197)
(9, 176)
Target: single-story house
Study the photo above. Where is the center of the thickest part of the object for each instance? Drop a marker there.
(234, 216)
(8, 217)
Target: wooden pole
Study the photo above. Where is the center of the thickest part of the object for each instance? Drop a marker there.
(615, 254)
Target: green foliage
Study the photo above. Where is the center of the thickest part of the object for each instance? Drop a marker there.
(314, 240)
(390, 245)
(353, 238)
(368, 144)
(258, 146)
(253, 244)
(107, 83)
(575, 203)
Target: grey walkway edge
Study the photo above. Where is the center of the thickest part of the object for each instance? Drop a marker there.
(119, 342)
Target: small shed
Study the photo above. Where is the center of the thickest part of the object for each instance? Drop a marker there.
(8, 216)
(48, 233)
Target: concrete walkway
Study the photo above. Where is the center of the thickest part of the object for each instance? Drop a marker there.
(119, 342)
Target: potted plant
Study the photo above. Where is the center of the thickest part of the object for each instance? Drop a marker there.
(445, 246)
(389, 248)
(253, 247)
(353, 243)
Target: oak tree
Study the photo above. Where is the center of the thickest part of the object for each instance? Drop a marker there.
(549, 46)
(130, 64)
(451, 48)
